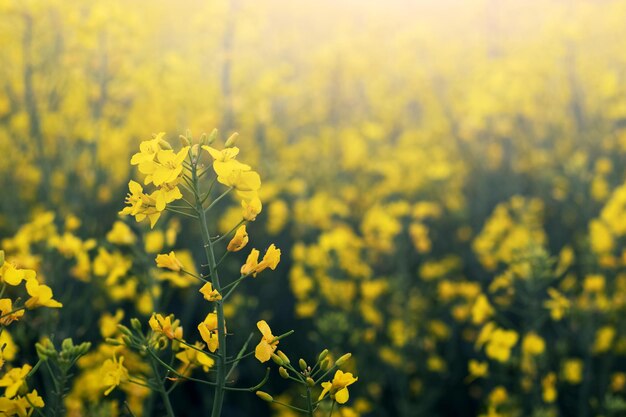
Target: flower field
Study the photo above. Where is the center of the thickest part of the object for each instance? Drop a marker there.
(404, 208)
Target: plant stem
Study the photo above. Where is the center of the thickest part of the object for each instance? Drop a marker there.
(161, 388)
(218, 398)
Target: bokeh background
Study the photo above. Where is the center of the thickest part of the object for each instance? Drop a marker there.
(445, 180)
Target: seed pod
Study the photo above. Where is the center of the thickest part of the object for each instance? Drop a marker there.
(343, 359)
(264, 396)
(231, 140)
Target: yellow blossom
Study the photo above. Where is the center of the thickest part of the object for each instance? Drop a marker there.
(500, 344)
(209, 293)
(573, 371)
(169, 261)
(557, 304)
(165, 325)
(40, 295)
(533, 344)
(251, 208)
(112, 374)
(14, 379)
(121, 234)
(208, 331)
(6, 310)
(239, 241)
(267, 345)
(193, 357)
(338, 388)
(108, 323)
(549, 388)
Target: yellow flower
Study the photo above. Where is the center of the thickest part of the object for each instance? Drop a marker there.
(251, 208)
(167, 193)
(251, 263)
(477, 369)
(14, 276)
(167, 169)
(208, 331)
(270, 259)
(481, 310)
(594, 283)
(20, 406)
(549, 388)
(140, 205)
(498, 396)
(557, 304)
(109, 322)
(224, 155)
(193, 357)
(147, 151)
(121, 234)
(573, 371)
(40, 295)
(6, 310)
(113, 373)
(338, 388)
(239, 241)
(209, 293)
(604, 339)
(14, 379)
(165, 325)
(533, 344)
(267, 345)
(500, 344)
(169, 261)
(618, 381)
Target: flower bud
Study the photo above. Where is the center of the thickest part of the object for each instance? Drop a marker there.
(67, 344)
(124, 330)
(184, 141)
(264, 396)
(310, 382)
(302, 364)
(165, 144)
(135, 323)
(283, 356)
(231, 140)
(343, 359)
(322, 355)
(113, 342)
(212, 137)
(1, 257)
(277, 360)
(325, 364)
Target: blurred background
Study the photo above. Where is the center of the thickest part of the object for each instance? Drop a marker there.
(445, 180)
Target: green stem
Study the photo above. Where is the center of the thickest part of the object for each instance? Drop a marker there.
(161, 386)
(213, 203)
(309, 402)
(218, 398)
